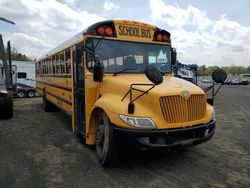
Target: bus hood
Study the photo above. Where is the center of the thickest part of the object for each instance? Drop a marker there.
(120, 84)
(153, 104)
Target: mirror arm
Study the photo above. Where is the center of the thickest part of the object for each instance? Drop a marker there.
(144, 92)
(217, 89)
(131, 106)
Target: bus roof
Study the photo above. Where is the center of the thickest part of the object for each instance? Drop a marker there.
(89, 30)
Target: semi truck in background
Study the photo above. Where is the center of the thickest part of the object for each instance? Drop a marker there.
(6, 86)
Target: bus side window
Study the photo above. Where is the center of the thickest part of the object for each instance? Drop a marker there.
(54, 64)
(67, 58)
(62, 63)
(50, 65)
(58, 64)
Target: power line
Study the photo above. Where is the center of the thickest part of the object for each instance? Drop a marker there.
(5, 20)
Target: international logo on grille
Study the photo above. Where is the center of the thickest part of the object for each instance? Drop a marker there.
(185, 94)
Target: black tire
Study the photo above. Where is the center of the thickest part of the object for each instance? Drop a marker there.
(31, 93)
(47, 105)
(106, 149)
(21, 94)
(6, 106)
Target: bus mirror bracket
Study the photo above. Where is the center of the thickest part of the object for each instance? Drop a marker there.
(219, 76)
(131, 105)
(154, 75)
(98, 71)
(173, 56)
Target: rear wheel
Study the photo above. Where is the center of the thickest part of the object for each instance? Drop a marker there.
(6, 106)
(31, 93)
(105, 145)
(47, 105)
(21, 93)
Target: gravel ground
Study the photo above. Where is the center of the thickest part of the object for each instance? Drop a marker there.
(38, 149)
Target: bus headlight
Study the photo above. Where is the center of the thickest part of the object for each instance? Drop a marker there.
(140, 122)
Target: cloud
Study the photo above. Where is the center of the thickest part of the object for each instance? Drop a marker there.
(71, 2)
(109, 5)
(29, 44)
(49, 21)
(199, 39)
(177, 17)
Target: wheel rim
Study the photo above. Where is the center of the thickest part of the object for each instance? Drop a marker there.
(21, 94)
(31, 94)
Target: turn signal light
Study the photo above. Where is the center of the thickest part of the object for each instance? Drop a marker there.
(108, 31)
(100, 30)
(159, 37)
(165, 38)
(162, 36)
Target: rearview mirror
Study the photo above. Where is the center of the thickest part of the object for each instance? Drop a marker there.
(153, 74)
(98, 71)
(219, 75)
(173, 56)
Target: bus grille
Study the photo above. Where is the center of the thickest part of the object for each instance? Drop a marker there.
(176, 109)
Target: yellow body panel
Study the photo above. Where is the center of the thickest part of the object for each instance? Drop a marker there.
(55, 91)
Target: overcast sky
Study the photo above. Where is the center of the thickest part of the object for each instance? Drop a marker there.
(203, 32)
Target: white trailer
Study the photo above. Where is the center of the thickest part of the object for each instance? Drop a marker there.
(23, 77)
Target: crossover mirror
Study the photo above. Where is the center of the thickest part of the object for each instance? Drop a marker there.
(153, 74)
(219, 75)
(173, 56)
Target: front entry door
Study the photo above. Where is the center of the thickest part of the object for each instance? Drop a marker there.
(79, 97)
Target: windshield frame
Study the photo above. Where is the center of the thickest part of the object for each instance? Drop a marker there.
(112, 39)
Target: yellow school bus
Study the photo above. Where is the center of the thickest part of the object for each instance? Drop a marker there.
(115, 80)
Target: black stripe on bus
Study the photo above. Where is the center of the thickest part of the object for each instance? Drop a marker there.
(60, 98)
(55, 85)
(55, 75)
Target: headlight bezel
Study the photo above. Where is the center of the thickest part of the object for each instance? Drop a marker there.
(133, 121)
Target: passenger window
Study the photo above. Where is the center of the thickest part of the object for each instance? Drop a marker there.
(62, 63)
(68, 68)
(21, 75)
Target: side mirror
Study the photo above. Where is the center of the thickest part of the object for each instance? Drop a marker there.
(173, 56)
(153, 74)
(98, 71)
(219, 76)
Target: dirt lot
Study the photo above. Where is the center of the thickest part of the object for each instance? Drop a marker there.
(37, 149)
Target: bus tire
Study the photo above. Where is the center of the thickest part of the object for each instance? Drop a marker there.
(31, 93)
(106, 149)
(47, 105)
(6, 106)
(21, 94)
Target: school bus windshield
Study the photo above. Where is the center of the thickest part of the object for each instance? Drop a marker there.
(129, 57)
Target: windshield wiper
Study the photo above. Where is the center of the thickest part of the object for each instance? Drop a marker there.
(123, 70)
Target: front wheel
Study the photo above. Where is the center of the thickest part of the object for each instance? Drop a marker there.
(105, 145)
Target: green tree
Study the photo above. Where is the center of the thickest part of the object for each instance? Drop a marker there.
(202, 70)
(17, 56)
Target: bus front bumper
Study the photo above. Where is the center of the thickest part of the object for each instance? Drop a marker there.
(165, 139)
